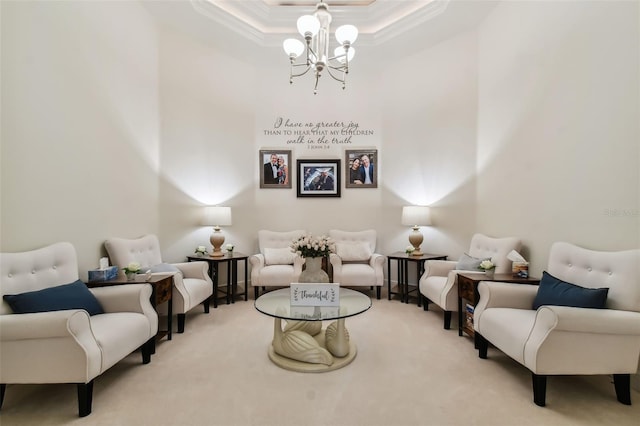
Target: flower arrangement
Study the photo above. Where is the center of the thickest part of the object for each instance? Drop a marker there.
(201, 250)
(229, 247)
(409, 249)
(486, 265)
(132, 268)
(310, 246)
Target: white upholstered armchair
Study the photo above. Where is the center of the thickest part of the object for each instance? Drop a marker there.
(355, 263)
(276, 265)
(559, 338)
(191, 283)
(439, 282)
(57, 334)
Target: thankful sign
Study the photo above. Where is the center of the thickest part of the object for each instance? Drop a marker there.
(303, 294)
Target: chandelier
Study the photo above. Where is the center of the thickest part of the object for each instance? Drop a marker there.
(315, 30)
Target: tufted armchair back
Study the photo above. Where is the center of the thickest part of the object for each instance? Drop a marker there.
(275, 239)
(367, 236)
(619, 271)
(144, 250)
(483, 246)
(45, 267)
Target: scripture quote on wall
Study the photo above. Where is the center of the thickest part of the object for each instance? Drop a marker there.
(317, 134)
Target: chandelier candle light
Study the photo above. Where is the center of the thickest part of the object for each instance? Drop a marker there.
(216, 216)
(315, 30)
(416, 216)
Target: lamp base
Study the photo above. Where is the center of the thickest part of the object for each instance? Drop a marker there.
(415, 239)
(217, 239)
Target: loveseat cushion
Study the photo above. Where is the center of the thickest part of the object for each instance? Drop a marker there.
(278, 256)
(353, 251)
(554, 291)
(469, 263)
(75, 295)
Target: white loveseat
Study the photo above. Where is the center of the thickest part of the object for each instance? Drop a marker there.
(568, 340)
(68, 346)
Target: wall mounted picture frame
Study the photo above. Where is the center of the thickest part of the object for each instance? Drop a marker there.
(361, 168)
(319, 178)
(275, 168)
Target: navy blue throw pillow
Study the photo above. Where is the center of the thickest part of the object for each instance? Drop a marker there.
(69, 296)
(553, 291)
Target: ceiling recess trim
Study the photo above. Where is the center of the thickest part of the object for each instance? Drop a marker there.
(268, 22)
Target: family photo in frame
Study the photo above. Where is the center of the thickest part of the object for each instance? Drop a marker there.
(318, 178)
(275, 172)
(361, 169)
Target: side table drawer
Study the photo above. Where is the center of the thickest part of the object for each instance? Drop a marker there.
(466, 289)
(163, 291)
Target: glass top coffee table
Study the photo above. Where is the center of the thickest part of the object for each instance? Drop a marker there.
(303, 345)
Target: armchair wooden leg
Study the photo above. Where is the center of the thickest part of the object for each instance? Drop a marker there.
(483, 345)
(206, 305)
(147, 349)
(181, 320)
(256, 293)
(447, 320)
(622, 383)
(85, 397)
(425, 303)
(3, 388)
(539, 389)
(378, 292)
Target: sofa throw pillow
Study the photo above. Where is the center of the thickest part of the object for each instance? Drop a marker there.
(469, 263)
(353, 252)
(554, 291)
(162, 267)
(279, 256)
(75, 295)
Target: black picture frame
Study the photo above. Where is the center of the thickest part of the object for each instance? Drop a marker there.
(319, 178)
(356, 178)
(281, 179)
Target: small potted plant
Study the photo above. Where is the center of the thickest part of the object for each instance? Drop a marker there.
(131, 270)
(488, 267)
(201, 250)
(409, 250)
(229, 248)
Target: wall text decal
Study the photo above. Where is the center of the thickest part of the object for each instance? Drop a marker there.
(318, 134)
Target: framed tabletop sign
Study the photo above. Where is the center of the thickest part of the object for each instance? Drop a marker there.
(274, 168)
(305, 294)
(361, 168)
(318, 178)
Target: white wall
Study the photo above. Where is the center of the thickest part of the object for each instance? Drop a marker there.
(80, 153)
(135, 127)
(558, 125)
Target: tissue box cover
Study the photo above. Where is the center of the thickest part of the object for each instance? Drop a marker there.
(111, 273)
(520, 269)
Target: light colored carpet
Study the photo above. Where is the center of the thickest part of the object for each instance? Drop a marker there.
(409, 371)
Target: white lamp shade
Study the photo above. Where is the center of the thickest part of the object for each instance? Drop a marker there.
(346, 33)
(308, 23)
(416, 216)
(217, 216)
(293, 47)
(340, 51)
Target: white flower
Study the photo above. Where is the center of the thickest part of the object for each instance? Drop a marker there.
(229, 247)
(201, 249)
(132, 267)
(409, 249)
(486, 265)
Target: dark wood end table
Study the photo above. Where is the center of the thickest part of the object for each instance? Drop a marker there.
(162, 291)
(231, 291)
(468, 293)
(403, 259)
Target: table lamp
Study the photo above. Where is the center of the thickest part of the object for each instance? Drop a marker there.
(416, 216)
(216, 216)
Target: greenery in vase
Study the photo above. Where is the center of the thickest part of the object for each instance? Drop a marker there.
(201, 250)
(486, 265)
(310, 246)
(132, 268)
